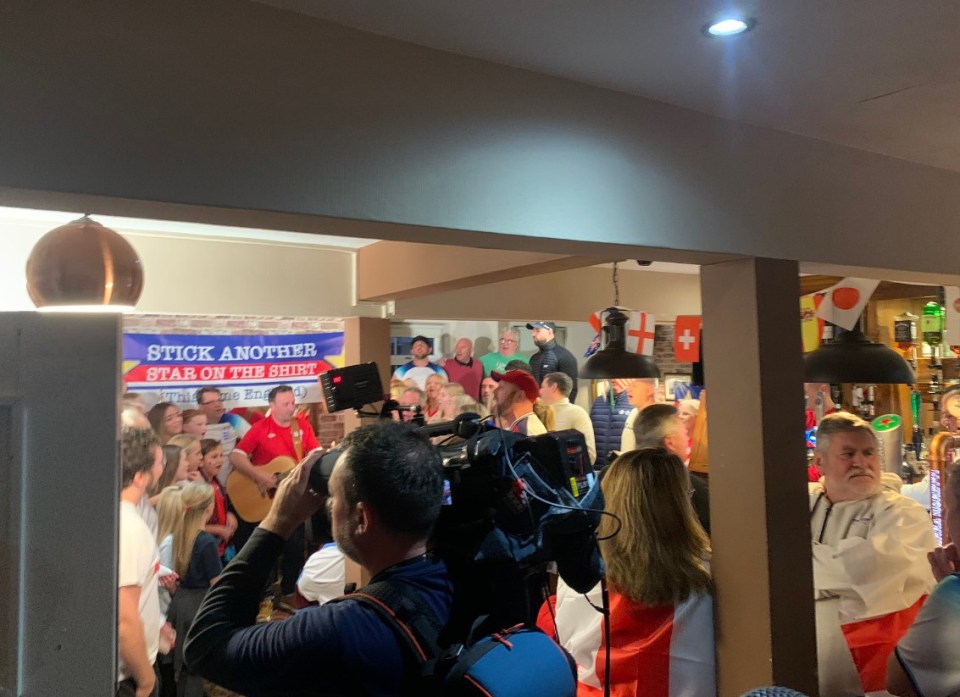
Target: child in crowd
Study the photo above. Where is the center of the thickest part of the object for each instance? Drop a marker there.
(221, 522)
(190, 455)
(174, 468)
(194, 423)
(197, 561)
(169, 516)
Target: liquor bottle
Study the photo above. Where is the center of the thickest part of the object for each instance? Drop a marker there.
(905, 330)
(931, 323)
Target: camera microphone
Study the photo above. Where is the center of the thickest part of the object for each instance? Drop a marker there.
(463, 426)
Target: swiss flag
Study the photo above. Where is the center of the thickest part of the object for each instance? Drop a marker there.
(686, 338)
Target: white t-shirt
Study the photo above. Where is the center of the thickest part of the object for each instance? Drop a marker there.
(149, 514)
(569, 415)
(224, 434)
(140, 566)
(324, 575)
(166, 560)
(529, 425)
(628, 439)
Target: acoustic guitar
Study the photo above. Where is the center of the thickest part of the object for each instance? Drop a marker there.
(249, 502)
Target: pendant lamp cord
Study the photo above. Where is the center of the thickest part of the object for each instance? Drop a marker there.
(616, 284)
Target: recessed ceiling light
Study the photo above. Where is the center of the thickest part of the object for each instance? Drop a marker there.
(729, 27)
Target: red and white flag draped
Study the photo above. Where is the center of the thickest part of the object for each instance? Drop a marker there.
(640, 330)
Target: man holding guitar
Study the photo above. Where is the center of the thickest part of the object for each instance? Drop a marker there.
(269, 450)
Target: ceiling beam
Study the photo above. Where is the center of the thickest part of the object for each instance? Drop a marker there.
(403, 270)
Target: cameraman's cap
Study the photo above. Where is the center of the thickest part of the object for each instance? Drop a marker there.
(419, 337)
(542, 325)
(520, 379)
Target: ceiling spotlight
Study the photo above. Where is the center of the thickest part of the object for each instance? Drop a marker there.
(729, 27)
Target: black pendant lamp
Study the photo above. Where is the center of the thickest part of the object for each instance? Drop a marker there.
(852, 358)
(613, 360)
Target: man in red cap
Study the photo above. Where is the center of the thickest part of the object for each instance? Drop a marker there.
(514, 396)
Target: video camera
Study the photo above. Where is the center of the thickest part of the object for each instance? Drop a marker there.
(515, 504)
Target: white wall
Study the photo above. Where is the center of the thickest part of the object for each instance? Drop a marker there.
(194, 275)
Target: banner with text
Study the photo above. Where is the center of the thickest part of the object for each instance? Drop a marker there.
(244, 367)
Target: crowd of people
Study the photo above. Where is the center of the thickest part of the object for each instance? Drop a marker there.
(250, 593)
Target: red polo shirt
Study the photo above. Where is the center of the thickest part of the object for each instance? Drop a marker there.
(267, 440)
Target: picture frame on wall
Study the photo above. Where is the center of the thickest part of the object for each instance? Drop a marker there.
(676, 386)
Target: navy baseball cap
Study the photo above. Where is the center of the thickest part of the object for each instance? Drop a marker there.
(539, 324)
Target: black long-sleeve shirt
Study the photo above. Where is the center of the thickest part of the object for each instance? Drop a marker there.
(552, 358)
(343, 648)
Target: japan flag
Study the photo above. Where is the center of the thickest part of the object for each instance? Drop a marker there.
(843, 303)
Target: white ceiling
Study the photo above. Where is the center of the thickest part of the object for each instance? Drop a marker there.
(879, 75)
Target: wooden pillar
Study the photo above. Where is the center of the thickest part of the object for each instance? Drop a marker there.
(758, 495)
(365, 339)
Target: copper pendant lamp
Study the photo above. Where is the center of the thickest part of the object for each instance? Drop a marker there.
(84, 267)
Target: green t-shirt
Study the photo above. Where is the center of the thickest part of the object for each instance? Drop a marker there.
(498, 362)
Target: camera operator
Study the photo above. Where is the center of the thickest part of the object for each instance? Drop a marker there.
(385, 495)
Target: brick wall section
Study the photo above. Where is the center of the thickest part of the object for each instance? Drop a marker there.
(229, 324)
(664, 356)
(329, 427)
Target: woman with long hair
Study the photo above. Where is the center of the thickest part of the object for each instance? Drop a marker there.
(174, 468)
(197, 561)
(169, 516)
(661, 593)
(433, 387)
(166, 420)
(448, 398)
